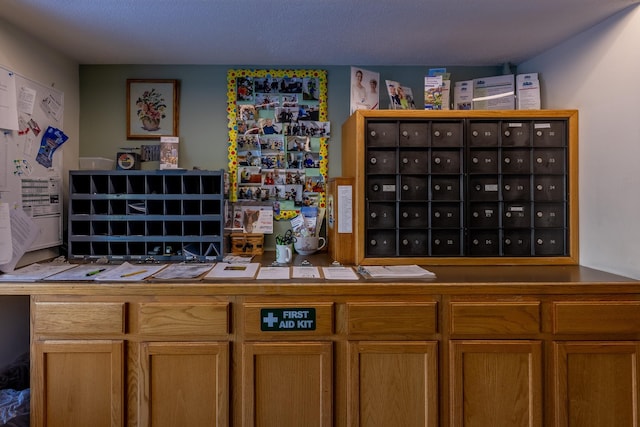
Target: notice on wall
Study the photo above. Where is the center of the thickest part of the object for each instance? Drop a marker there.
(31, 149)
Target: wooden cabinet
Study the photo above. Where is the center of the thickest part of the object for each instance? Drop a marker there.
(496, 383)
(533, 347)
(392, 383)
(176, 370)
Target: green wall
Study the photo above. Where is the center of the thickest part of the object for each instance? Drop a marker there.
(203, 122)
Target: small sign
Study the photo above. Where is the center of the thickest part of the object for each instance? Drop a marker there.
(288, 319)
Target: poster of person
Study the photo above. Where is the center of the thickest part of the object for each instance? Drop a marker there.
(365, 94)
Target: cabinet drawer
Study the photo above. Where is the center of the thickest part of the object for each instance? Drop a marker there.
(183, 319)
(583, 317)
(495, 317)
(95, 318)
(392, 318)
(285, 319)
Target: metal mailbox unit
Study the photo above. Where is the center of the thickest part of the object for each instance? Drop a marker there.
(463, 187)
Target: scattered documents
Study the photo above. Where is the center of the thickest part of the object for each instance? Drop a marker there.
(397, 271)
(233, 271)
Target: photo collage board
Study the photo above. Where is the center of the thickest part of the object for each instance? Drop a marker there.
(278, 132)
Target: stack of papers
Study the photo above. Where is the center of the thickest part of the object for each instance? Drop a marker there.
(81, 272)
(397, 271)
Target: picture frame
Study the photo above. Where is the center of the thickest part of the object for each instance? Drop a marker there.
(152, 108)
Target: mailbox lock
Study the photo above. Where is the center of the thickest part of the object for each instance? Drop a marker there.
(373, 160)
(436, 133)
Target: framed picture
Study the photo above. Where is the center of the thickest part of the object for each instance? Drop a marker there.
(152, 108)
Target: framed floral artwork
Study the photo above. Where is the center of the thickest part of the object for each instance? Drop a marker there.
(152, 108)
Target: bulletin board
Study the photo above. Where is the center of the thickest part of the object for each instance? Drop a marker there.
(278, 136)
(31, 155)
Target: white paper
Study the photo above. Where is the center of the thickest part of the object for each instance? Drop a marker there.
(345, 211)
(277, 273)
(8, 102)
(182, 271)
(398, 271)
(24, 231)
(339, 273)
(6, 247)
(127, 272)
(33, 272)
(233, 271)
(26, 100)
(305, 272)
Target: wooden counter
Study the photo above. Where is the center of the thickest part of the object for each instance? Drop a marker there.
(507, 345)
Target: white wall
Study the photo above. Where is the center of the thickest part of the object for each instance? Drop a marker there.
(34, 60)
(598, 73)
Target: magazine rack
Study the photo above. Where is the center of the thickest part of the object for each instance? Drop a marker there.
(146, 215)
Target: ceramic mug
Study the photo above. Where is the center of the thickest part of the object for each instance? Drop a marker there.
(309, 245)
(283, 254)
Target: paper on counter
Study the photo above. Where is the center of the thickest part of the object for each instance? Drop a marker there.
(183, 271)
(398, 271)
(223, 270)
(35, 271)
(81, 272)
(127, 272)
(278, 273)
(305, 272)
(339, 273)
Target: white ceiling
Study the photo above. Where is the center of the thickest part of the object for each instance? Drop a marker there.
(306, 32)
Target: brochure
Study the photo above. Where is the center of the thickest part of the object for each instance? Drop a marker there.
(494, 93)
(528, 91)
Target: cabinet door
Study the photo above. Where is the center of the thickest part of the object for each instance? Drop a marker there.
(496, 383)
(393, 384)
(596, 383)
(287, 384)
(77, 383)
(184, 384)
